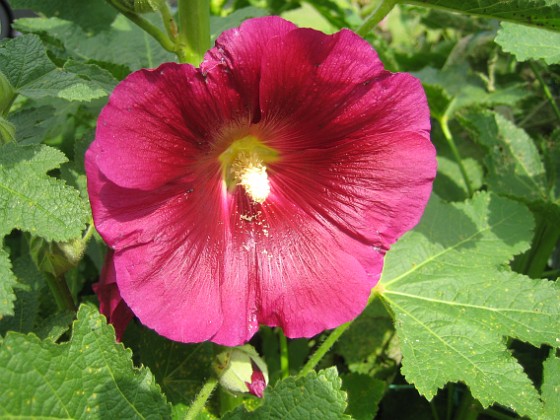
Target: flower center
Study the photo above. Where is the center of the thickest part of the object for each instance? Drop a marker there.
(244, 163)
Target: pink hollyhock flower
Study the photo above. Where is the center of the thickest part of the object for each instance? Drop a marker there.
(110, 302)
(264, 187)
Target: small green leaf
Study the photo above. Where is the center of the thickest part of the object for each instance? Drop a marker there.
(513, 161)
(544, 13)
(315, 396)
(528, 43)
(32, 124)
(91, 376)
(455, 301)
(25, 63)
(36, 203)
(122, 44)
(364, 395)
(551, 387)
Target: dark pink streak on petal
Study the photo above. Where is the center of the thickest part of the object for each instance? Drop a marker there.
(241, 50)
(327, 88)
(111, 303)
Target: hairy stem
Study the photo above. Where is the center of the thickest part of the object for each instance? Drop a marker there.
(451, 142)
(323, 349)
(201, 399)
(60, 291)
(383, 8)
(151, 29)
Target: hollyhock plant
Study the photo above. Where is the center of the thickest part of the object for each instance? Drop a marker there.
(264, 187)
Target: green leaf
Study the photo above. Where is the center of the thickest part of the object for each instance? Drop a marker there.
(551, 387)
(528, 43)
(32, 124)
(453, 88)
(455, 301)
(315, 396)
(36, 203)
(180, 369)
(544, 13)
(25, 63)
(513, 161)
(28, 290)
(90, 15)
(450, 184)
(91, 376)
(364, 395)
(7, 283)
(123, 43)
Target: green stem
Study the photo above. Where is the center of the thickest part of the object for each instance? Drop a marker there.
(201, 399)
(469, 409)
(545, 89)
(382, 10)
(323, 349)
(194, 30)
(168, 21)
(60, 291)
(490, 412)
(449, 138)
(151, 29)
(284, 356)
(89, 232)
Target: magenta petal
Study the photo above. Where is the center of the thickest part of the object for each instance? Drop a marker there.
(328, 88)
(110, 301)
(240, 51)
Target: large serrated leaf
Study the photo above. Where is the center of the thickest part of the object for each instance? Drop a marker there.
(315, 396)
(31, 73)
(455, 301)
(543, 13)
(36, 203)
(529, 43)
(91, 376)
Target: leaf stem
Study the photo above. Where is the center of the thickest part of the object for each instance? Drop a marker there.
(469, 408)
(200, 400)
(151, 29)
(383, 8)
(194, 30)
(545, 89)
(284, 355)
(60, 291)
(323, 349)
(443, 122)
(168, 21)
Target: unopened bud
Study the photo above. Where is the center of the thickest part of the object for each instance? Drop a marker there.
(241, 369)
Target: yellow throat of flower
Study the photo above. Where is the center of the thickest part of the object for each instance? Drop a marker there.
(244, 163)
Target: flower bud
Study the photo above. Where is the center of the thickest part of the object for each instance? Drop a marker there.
(241, 369)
